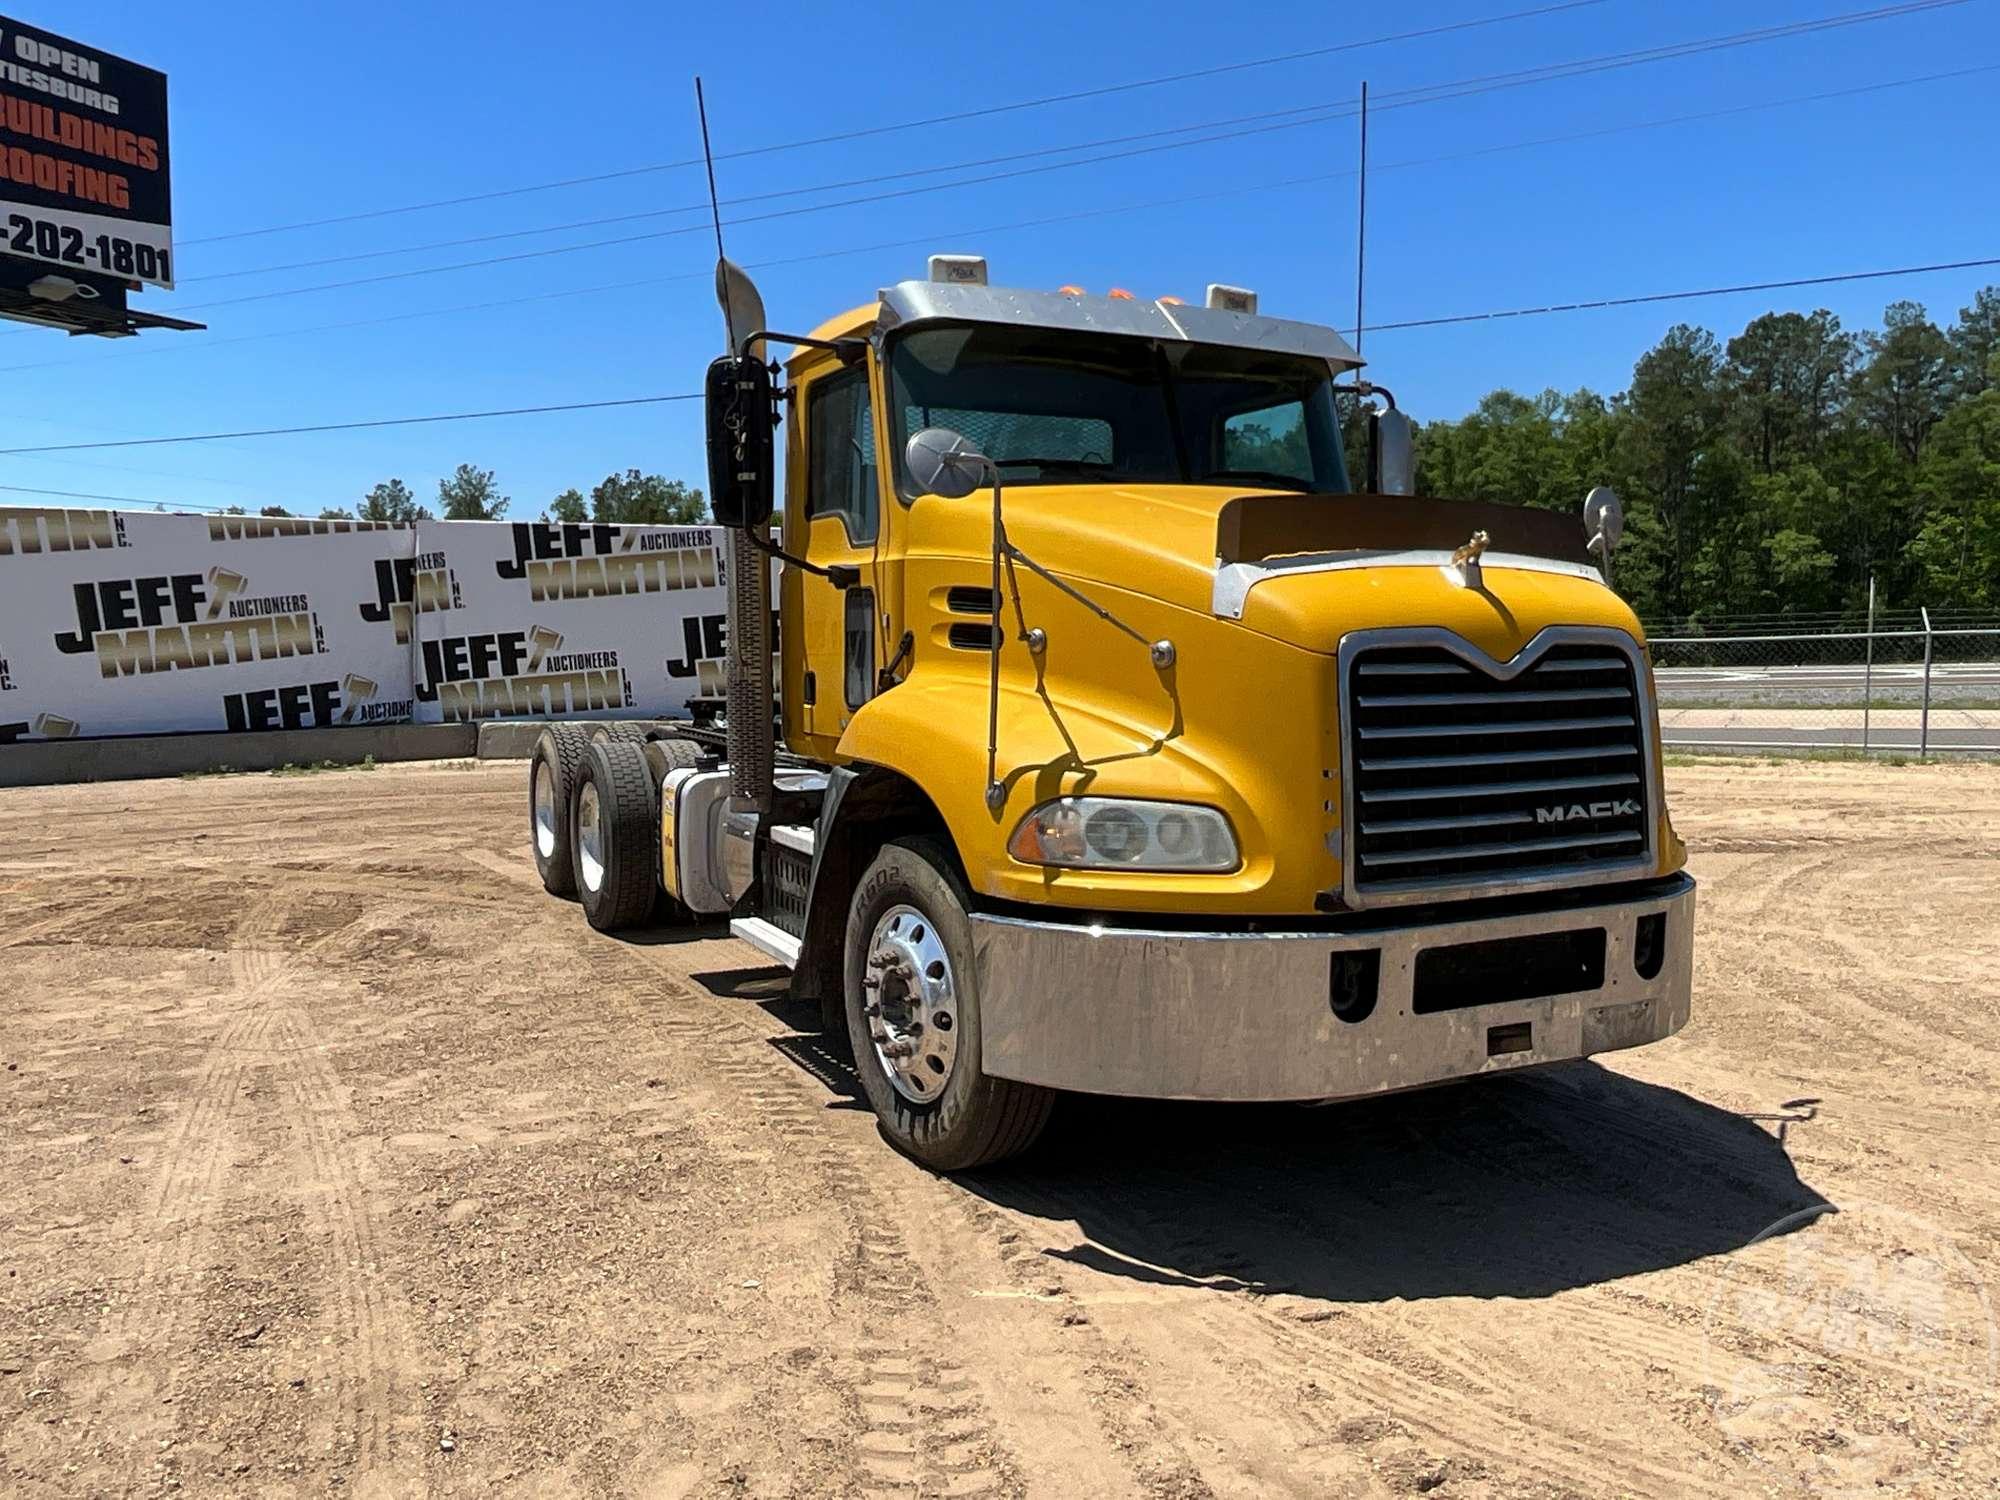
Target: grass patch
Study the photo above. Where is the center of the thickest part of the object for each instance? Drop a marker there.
(314, 767)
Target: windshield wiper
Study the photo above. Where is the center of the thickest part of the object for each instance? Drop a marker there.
(1269, 476)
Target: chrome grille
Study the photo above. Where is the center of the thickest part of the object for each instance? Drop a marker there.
(1464, 775)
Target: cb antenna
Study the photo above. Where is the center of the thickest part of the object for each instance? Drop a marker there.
(1360, 218)
(714, 205)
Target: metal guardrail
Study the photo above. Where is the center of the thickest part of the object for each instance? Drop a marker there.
(1925, 691)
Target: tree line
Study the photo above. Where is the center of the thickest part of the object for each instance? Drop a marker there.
(470, 493)
(1772, 475)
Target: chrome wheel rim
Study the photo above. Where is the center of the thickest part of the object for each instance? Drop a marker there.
(909, 997)
(589, 838)
(545, 811)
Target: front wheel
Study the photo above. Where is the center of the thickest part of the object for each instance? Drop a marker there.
(913, 1017)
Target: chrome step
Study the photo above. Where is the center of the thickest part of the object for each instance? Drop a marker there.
(768, 938)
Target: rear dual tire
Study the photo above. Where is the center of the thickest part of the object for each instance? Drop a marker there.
(615, 835)
(552, 775)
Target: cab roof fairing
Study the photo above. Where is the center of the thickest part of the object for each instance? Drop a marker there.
(911, 302)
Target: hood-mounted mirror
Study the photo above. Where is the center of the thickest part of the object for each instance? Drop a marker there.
(1603, 523)
(943, 462)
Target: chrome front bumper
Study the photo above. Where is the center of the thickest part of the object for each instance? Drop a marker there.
(1229, 1015)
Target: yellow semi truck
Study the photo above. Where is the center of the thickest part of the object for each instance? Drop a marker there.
(1121, 743)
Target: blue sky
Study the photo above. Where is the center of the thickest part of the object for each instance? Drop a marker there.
(291, 112)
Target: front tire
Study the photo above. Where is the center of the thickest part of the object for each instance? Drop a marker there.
(913, 1017)
(615, 836)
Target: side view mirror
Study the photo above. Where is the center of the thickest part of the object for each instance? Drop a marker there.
(741, 478)
(943, 462)
(1603, 523)
(1392, 453)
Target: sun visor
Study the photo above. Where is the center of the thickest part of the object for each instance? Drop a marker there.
(1253, 528)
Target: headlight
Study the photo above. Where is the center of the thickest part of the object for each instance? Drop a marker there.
(1110, 833)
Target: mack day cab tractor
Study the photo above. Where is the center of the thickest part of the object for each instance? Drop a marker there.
(1127, 748)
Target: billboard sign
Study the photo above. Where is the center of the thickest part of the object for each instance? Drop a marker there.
(83, 159)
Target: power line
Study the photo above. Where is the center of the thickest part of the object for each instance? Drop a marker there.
(1710, 291)
(1404, 98)
(1519, 312)
(459, 416)
(1262, 123)
(982, 112)
(22, 489)
(1181, 200)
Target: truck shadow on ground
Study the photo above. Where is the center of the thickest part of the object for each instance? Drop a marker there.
(1518, 1185)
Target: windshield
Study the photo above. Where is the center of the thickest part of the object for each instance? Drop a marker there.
(1050, 406)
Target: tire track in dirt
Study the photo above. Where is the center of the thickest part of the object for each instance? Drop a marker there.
(1455, 1405)
(76, 915)
(925, 1427)
(1867, 988)
(184, 1190)
(906, 1445)
(344, 1233)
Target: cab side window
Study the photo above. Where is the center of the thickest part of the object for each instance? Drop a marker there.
(840, 443)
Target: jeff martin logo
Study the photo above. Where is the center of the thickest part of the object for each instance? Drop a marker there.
(259, 528)
(409, 586)
(511, 673)
(313, 705)
(181, 621)
(60, 531)
(1851, 1351)
(704, 648)
(602, 561)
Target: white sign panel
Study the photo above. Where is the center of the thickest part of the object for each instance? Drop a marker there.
(129, 623)
(569, 621)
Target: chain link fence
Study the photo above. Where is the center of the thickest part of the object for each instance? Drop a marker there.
(1916, 686)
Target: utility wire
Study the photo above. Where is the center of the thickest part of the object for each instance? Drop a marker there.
(522, 411)
(1225, 129)
(22, 489)
(459, 416)
(1709, 291)
(982, 112)
(1181, 200)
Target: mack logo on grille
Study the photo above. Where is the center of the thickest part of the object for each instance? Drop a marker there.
(1576, 812)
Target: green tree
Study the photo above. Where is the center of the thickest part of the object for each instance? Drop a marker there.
(1975, 344)
(274, 510)
(569, 507)
(635, 499)
(1956, 551)
(1675, 408)
(336, 513)
(1787, 376)
(391, 500)
(471, 495)
(1905, 385)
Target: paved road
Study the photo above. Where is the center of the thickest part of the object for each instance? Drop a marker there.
(1811, 736)
(1828, 686)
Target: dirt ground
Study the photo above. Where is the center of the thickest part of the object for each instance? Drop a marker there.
(337, 1159)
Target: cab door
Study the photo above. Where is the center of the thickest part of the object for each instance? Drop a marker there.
(840, 630)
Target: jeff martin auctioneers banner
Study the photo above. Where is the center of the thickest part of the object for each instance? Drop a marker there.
(116, 622)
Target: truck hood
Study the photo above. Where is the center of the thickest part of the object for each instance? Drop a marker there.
(1307, 569)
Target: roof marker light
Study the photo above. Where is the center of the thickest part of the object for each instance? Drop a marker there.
(1070, 291)
(1170, 300)
(1119, 294)
(962, 270)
